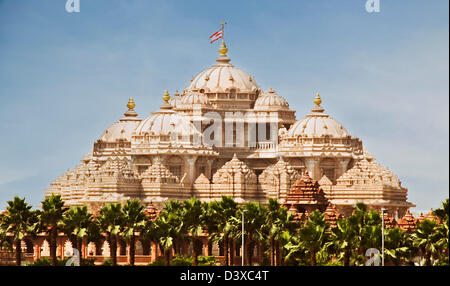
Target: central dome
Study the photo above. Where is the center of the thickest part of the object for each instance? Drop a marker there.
(223, 77)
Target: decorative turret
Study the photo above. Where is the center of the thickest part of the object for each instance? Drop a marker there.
(306, 194)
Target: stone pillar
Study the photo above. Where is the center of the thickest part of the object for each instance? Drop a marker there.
(191, 169)
(37, 250)
(208, 174)
(312, 166)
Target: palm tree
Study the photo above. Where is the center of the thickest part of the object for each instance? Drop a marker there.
(164, 230)
(313, 235)
(209, 218)
(77, 224)
(255, 217)
(173, 214)
(226, 212)
(192, 213)
(344, 240)
(278, 220)
(134, 221)
(426, 238)
(111, 220)
(51, 219)
(396, 245)
(443, 228)
(19, 220)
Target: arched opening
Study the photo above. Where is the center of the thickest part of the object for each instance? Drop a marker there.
(328, 167)
(175, 165)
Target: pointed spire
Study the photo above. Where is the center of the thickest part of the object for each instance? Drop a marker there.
(166, 98)
(130, 112)
(318, 101)
(131, 105)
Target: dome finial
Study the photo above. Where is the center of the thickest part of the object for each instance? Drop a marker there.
(223, 50)
(166, 96)
(131, 105)
(317, 100)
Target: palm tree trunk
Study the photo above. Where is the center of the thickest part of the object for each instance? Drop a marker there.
(80, 248)
(347, 258)
(225, 242)
(113, 249)
(132, 250)
(313, 258)
(167, 252)
(231, 243)
(427, 258)
(53, 245)
(272, 252)
(277, 250)
(18, 252)
(194, 251)
(250, 252)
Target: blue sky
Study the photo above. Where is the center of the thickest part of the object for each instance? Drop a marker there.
(65, 77)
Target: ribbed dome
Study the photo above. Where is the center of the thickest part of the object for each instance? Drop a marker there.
(124, 128)
(166, 123)
(223, 77)
(317, 124)
(271, 100)
(193, 97)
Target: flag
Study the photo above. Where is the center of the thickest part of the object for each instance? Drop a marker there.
(217, 35)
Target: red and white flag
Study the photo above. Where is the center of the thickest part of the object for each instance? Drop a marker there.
(217, 35)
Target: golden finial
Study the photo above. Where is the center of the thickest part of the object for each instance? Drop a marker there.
(317, 100)
(166, 96)
(223, 49)
(131, 103)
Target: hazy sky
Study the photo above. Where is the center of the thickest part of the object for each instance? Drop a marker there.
(65, 77)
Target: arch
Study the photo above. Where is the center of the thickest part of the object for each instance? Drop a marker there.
(68, 248)
(91, 249)
(175, 165)
(45, 248)
(138, 248)
(106, 249)
(328, 168)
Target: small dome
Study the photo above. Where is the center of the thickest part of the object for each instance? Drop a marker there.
(166, 123)
(271, 100)
(193, 97)
(124, 128)
(317, 124)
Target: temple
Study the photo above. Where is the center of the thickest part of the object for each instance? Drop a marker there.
(224, 135)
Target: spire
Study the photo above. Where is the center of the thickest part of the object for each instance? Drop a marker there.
(223, 50)
(318, 101)
(130, 112)
(166, 98)
(131, 105)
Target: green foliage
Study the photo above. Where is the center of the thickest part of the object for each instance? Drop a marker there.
(158, 262)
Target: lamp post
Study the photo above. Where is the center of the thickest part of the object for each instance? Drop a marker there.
(243, 235)
(382, 236)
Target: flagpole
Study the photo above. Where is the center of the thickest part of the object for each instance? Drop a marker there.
(223, 34)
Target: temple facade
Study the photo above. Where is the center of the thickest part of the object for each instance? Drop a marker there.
(224, 135)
